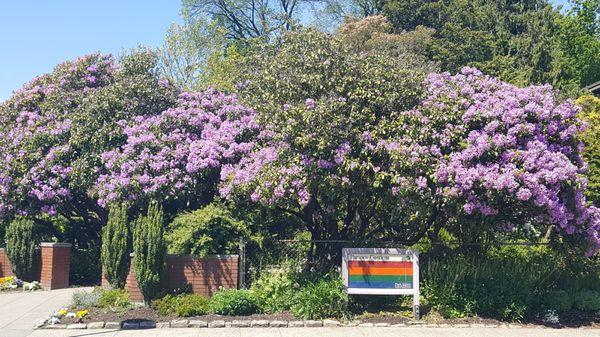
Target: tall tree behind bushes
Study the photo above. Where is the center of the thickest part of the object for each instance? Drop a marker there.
(20, 246)
(149, 251)
(523, 42)
(115, 246)
(248, 19)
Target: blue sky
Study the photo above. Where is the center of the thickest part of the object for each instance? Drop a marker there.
(35, 35)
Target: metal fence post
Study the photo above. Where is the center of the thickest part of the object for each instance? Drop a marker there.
(242, 264)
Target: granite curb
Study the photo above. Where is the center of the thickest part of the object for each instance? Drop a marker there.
(218, 324)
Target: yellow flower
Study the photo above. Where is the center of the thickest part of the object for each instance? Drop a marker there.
(7, 279)
(62, 312)
(82, 313)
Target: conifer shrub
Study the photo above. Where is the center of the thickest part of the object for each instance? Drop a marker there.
(115, 257)
(20, 246)
(149, 251)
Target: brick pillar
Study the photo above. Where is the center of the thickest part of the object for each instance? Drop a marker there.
(55, 265)
(135, 295)
(5, 267)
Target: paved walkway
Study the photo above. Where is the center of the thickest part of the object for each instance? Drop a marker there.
(20, 311)
(326, 332)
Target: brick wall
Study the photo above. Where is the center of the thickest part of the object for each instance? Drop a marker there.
(51, 265)
(203, 274)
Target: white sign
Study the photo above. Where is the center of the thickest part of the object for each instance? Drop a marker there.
(382, 271)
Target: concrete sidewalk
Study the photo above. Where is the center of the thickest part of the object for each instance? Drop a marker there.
(327, 332)
(20, 311)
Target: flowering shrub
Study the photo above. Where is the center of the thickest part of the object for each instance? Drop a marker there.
(319, 116)
(36, 121)
(53, 130)
(173, 154)
(506, 154)
(474, 155)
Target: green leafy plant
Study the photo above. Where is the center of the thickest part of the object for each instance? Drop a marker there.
(588, 300)
(507, 283)
(20, 246)
(184, 305)
(323, 298)
(234, 302)
(115, 257)
(558, 300)
(149, 251)
(274, 290)
(113, 299)
(209, 230)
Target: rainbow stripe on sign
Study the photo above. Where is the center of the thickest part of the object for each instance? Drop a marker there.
(380, 274)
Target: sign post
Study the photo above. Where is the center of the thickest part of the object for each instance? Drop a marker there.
(382, 271)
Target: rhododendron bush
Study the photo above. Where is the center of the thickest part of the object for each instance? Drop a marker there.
(475, 155)
(54, 130)
(323, 108)
(355, 144)
(506, 156)
(178, 154)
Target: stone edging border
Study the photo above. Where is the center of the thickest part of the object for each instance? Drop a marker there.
(184, 323)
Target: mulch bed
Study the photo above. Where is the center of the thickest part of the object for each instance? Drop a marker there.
(569, 319)
(149, 314)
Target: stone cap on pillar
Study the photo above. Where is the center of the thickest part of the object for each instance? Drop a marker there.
(56, 244)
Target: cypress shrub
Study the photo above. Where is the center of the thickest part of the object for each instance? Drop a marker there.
(149, 251)
(115, 257)
(20, 246)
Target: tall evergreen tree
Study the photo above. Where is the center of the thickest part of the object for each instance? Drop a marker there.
(115, 257)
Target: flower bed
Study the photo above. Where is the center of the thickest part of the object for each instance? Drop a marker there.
(11, 283)
(111, 309)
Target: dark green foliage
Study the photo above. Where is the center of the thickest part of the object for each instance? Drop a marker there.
(558, 300)
(115, 257)
(20, 246)
(526, 41)
(510, 283)
(185, 305)
(86, 268)
(234, 302)
(113, 299)
(588, 300)
(504, 286)
(209, 230)
(149, 251)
